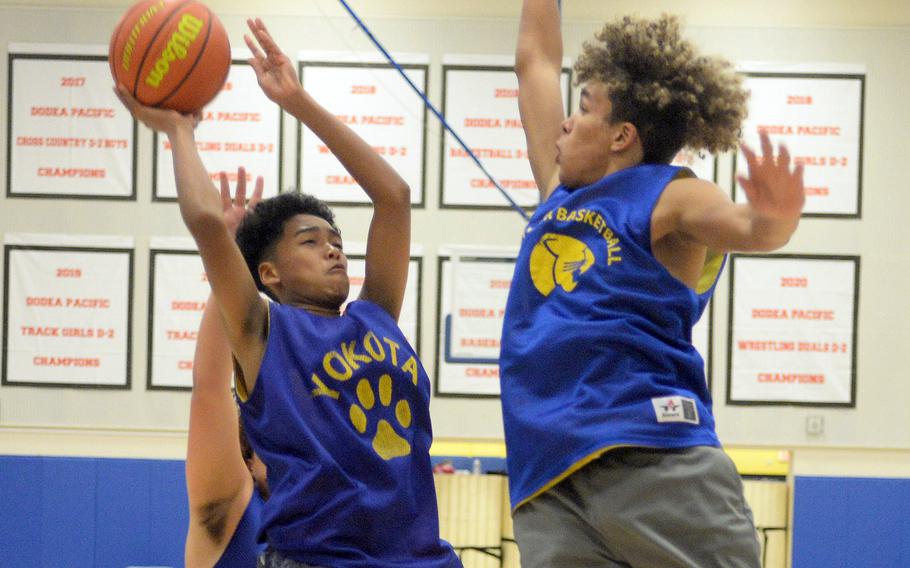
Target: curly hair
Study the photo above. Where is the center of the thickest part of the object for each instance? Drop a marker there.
(658, 81)
(262, 228)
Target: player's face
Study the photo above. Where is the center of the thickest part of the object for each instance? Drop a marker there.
(583, 148)
(310, 264)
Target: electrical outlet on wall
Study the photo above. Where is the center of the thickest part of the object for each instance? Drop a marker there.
(815, 425)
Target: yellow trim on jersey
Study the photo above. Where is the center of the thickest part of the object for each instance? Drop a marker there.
(713, 263)
(572, 469)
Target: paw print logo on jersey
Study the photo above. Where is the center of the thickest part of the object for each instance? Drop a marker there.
(386, 440)
(557, 260)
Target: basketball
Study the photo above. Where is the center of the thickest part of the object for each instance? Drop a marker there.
(171, 54)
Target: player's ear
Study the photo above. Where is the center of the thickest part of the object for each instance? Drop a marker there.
(268, 273)
(623, 136)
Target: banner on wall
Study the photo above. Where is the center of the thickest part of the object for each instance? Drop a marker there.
(68, 136)
(465, 376)
(409, 319)
(241, 127)
(480, 102)
(481, 279)
(793, 330)
(816, 110)
(178, 290)
(371, 98)
(67, 311)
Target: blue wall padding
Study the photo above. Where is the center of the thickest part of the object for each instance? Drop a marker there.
(91, 512)
(842, 522)
(21, 495)
(113, 513)
(68, 512)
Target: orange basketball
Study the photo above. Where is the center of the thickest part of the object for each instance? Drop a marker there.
(170, 53)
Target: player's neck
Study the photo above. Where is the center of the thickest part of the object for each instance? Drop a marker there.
(318, 310)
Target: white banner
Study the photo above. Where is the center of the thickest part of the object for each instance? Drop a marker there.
(375, 102)
(481, 286)
(792, 329)
(179, 292)
(409, 319)
(67, 316)
(459, 377)
(69, 136)
(481, 105)
(241, 127)
(819, 119)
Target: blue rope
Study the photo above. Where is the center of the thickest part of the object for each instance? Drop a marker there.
(430, 106)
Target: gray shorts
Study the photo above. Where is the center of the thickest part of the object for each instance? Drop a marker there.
(642, 507)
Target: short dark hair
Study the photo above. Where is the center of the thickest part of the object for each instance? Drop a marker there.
(261, 228)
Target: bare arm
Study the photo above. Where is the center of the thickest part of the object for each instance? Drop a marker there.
(244, 311)
(700, 211)
(215, 468)
(538, 64)
(218, 481)
(389, 240)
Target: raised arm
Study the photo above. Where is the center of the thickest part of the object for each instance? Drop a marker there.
(389, 240)
(218, 481)
(700, 211)
(538, 64)
(244, 311)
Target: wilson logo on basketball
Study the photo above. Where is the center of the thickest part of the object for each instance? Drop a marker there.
(171, 54)
(182, 38)
(134, 34)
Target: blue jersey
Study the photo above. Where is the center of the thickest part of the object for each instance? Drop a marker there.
(597, 340)
(243, 548)
(340, 416)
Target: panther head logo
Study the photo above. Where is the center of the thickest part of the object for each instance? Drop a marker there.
(556, 261)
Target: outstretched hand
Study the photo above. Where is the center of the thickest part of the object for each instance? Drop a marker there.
(774, 192)
(235, 210)
(159, 119)
(274, 70)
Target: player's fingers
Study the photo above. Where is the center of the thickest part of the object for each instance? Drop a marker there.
(747, 186)
(750, 157)
(241, 186)
(783, 157)
(257, 192)
(254, 49)
(225, 191)
(766, 149)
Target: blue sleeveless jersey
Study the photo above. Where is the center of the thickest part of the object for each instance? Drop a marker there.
(340, 416)
(596, 344)
(243, 548)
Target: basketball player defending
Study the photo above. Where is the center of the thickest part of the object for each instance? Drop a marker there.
(225, 481)
(612, 455)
